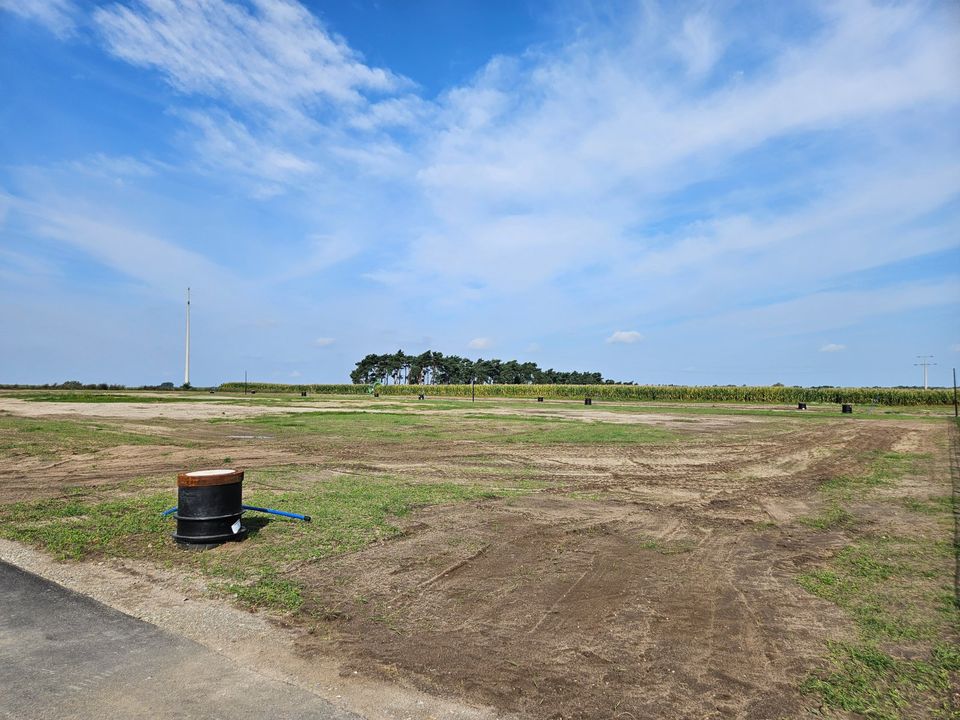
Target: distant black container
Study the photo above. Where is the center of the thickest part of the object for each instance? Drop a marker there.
(303, 393)
(539, 399)
(376, 394)
(588, 401)
(209, 506)
(847, 409)
(801, 406)
(420, 396)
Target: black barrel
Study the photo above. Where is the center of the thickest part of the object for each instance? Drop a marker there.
(209, 506)
(303, 393)
(420, 396)
(588, 401)
(539, 399)
(801, 406)
(846, 409)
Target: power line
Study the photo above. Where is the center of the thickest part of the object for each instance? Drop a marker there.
(924, 363)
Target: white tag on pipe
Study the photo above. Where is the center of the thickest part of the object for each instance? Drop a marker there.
(235, 527)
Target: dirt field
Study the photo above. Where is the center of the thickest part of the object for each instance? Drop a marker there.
(619, 563)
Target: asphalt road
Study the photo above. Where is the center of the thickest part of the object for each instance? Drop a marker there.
(65, 656)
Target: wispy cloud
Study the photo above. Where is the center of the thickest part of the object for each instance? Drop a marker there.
(626, 337)
(225, 144)
(323, 342)
(480, 343)
(832, 348)
(275, 54)
(115, 167)
(159, 264)
(58, 16)
(697, 44)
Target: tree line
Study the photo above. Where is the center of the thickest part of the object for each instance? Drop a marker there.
(435, 368)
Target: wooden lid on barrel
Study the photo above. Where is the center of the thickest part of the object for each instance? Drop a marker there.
(206, 478)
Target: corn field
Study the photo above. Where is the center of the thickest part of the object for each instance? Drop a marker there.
(665, 393)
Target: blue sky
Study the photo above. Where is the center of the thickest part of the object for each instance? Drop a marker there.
(703, 192)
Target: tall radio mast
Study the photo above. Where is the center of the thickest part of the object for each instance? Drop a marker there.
(186, 369)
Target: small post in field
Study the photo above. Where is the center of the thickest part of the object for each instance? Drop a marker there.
(955, 413)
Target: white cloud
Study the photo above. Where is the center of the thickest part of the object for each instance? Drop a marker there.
(480, 343)
(625, 337)
(117, 168)
(294, 373)
(275, 55)
(226, 144)
(154, 261)
(697, 44)
(864, 209)
(832, 347)
(58, 16)
(324, 342)
(405, 111)
(556, 159)
(955, 348)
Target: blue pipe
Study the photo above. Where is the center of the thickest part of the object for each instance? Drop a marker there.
(295, 516)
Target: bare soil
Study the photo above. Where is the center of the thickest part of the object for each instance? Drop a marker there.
(665, 592)
(644, 581)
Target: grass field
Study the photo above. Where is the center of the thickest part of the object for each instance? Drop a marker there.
(553, 560)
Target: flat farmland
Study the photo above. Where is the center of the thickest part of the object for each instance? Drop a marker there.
(540, 560)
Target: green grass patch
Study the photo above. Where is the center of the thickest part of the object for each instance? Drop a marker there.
(70, 529)
(356, 426)
(865, 680)
(835, 516)
(929, 506)
(898, 591)
(267, 591)
(52, 438)
(581, 433)
(886, 467)
(353, 425)
(348, 512)
(887, 585)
